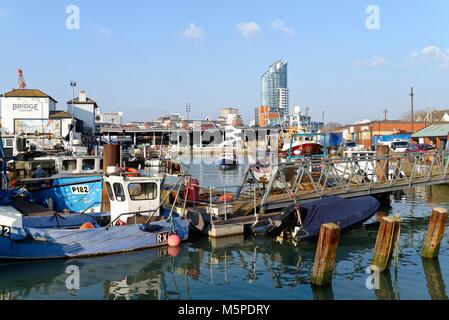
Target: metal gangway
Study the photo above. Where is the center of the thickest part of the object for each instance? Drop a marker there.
(359, 174)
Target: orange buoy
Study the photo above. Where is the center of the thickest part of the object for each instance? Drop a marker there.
(174, 240)
(229, 197)
(87, 225)
(120, 223)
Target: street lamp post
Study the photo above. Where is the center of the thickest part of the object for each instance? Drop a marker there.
(188, 109)
(73, 85)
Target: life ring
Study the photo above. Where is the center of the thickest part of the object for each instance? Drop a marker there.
(131, 172)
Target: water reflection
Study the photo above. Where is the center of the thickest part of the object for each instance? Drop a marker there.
(434, 279)
(249, 268)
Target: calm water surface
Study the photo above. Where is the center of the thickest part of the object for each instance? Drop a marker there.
(248, 267)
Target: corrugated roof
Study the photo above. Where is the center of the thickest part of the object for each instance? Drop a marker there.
(435, 130)
(27, 93)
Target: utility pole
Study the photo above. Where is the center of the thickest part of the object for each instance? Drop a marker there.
(412, 106)
(385, 112)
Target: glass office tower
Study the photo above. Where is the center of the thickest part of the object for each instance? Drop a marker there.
(274, 88)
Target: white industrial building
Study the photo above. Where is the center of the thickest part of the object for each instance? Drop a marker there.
(33, 113)
(113, 118)
(86, 110)
(25, 108)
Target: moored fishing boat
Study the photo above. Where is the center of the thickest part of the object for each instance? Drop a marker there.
(81, 235)
(76, 186)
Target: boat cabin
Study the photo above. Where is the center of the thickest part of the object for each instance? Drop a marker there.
(133, 194)
(81, 165)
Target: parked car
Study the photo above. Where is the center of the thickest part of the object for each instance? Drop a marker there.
(420, 148)
(352, 146)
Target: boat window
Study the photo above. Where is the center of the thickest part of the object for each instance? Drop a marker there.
(88, 164)
(9, 143)
(119, 192)
(109, 190)
(142, 191)
(69, 165)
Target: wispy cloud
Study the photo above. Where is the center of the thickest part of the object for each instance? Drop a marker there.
(432, 54)
(375, 62)
(248, 29)
(193, 32)
(102, 30)
(280, 25)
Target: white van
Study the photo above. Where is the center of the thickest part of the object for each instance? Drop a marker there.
(396, 145)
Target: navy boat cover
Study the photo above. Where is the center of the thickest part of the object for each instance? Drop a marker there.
(343, 212)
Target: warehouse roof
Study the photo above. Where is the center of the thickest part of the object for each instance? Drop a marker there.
(435, 130)
(27, 93)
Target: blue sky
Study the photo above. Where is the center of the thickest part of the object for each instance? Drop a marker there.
(147, 58)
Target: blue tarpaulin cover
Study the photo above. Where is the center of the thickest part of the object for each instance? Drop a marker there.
(343, 212)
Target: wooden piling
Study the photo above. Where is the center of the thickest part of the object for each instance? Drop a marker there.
(382, 166)
(435, 232)
(326, 252)
(386, 239)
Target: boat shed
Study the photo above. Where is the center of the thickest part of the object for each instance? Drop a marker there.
(435, 134)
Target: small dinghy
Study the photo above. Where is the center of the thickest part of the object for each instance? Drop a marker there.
(228, 161)
(346, 213)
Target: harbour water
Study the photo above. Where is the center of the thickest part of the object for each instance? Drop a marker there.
(248, 267)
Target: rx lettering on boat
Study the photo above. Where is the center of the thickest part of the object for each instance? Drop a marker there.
(80, 189)
(162, 237)
(5, 231)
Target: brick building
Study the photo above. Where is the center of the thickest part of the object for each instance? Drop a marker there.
(364, 133)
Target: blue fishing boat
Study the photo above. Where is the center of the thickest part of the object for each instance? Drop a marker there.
(30, 239)
(76, 187)
(137, 221)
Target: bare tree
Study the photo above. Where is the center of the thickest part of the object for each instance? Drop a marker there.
(419, 114)
(331, 126)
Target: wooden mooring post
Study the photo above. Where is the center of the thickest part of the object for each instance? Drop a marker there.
(387, 237)
(326, 252)
(382, 166)
(435, 232)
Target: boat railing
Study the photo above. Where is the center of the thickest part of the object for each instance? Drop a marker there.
(131, 214)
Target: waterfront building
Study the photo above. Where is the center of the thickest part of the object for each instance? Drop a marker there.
(275, 94)
(86, 110)
(230, 117)
(32, 114)
(435, 134)
(266, 117)
(366, 133)
(111, 118)
(26, 107)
